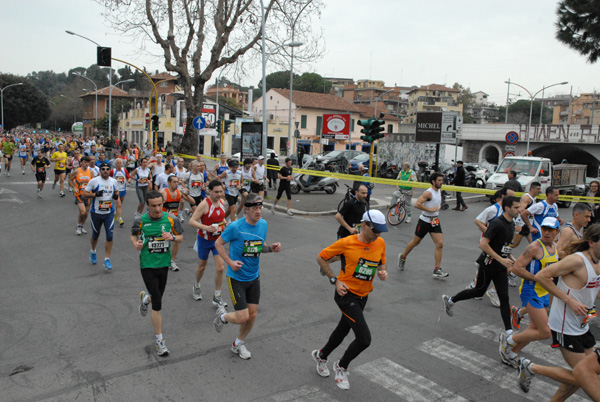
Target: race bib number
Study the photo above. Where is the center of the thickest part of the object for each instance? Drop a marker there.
(61, 165)
(41, 169)
(252, 248)
(196, 183)
(506, 251)
(173, 211)
(235, 183)
(591, 314)
(143, 180)
(365, 270)
(157, 245)
(435, 222)
(105, 205)
(246, 182)
(121, 179)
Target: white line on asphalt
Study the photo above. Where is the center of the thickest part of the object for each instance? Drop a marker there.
(7, 191)
(8, 183)
(491, 370)
(537, 349)
(405, 383)
(304, 393)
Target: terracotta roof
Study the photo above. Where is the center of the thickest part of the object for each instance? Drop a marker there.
(315, 100)
(434, 87)
(118, 92)
(162, 76)
(367, 112)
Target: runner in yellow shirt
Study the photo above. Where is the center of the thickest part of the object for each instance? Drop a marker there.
(60, 167)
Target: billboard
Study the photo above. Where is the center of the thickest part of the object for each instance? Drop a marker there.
(251, 140)
(336, 126)
(429, 127)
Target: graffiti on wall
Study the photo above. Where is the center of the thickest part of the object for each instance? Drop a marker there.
(399, 152)
(561, 133)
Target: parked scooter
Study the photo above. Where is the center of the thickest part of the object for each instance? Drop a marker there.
(308, 183)
(388, 171)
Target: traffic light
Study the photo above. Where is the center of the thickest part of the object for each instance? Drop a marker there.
(219, 126)
(366, 130)
(372, 129)
(376, 129)
(103, 56)
(227, 123)
(155, 122)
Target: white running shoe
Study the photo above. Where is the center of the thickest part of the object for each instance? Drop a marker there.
(504, 350)
(290, 213)
(161, 348)
(241, 350)
(197, 295)
(408, 220)
(143, 306)
(78, 231)
(322, 368)
(341, 376)
(447, 305)
(174, 266)
(83, 230)
(525, 373)
(493, 295)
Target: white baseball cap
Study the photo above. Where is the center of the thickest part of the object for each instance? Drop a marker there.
(377, 218)
(550, 222)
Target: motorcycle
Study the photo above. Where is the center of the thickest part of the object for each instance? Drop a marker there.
(390, 171)
(424, 171)
(313, 183)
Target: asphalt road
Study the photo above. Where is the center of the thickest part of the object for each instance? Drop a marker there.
(70, 330)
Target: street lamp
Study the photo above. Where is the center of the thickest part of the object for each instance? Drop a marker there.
(2, 99)
(532, 97)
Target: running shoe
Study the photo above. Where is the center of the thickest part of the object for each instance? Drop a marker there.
(181, 218)
(218, 301)
(121, 221)
(61, 194)
(83, 230)
(161, 348)
(174, 266)
(408, 220)
(197, 295)
(493, 295)
(447, 305)
(504, 350)
(516, 317)
(70, 190)
(512, 280)
(401, 262)
(143, 306)
(39, 194)
(78, 231)
(341, 376)
(289, 213)
(525, 373)
(93, 258)
(187, 212)
(53, 184)
(218, 323)
(107, 264)
(322, 368)
(273, 209)
(23, 172)
(438, 273)
(8, 174)
(241, 350)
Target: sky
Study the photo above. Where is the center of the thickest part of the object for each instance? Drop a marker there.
(479, 44)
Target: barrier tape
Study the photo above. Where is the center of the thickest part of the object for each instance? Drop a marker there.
(414, 184)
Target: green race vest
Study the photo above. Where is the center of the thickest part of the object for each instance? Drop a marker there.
(156, 252)
(405, 176)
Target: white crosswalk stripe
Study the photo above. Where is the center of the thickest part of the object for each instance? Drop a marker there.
(304, 393)
(405, 383)
(537, 349)
(489, 369)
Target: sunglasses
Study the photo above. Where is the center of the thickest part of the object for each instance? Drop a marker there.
(373, 229)
(105, 169)
(549, 229)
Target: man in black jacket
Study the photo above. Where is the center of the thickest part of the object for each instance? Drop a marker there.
(272, 173)
(513, 183)
(459, 180)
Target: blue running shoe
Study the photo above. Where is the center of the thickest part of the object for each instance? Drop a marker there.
(107, 264)
(93, 258)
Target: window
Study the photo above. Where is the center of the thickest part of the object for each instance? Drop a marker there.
(319, 125)
(390, 128)
(351, 125)
(303, 121)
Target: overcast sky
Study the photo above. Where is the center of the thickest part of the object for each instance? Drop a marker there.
(479, 44)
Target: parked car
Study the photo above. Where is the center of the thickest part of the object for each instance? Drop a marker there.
(294, 158)
(338, 160)
(267, 156)
(363, 159)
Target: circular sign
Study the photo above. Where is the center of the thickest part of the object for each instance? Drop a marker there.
(512, 138)
(336, 124)
(147, 118)
(199, 123)
(509, 153)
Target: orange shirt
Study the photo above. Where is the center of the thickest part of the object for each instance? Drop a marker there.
(362, 260)
(81, 180)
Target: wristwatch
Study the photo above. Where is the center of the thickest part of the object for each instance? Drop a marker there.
(333, 280)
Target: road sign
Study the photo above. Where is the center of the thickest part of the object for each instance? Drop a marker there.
(336, 126)
(449, 129)
(199, 123)
(512, 138)
(509, 153)
(147, 118)
(511, 148)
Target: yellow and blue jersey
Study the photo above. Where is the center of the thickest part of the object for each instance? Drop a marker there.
(534, 288)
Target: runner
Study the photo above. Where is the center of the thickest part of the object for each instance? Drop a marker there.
(493, 262)
(122, 178)
(527, 200)
(8, 149)
(232, 179)
(161, 179)
(209, 219)
(195, 181)
(172, 197)
(572, 306)
(220, 168)
(534, 298)
(539, 211)
(364, 256)
(23, 154)
(152, 235)
(79, 179)
(104, 191)
(285, 177)
(260, 173)
(429, 202)
(572, 231)
(248, 178)
(247, 240)
(143, 177)
(60, 167)
(38, 166)
(92, 165)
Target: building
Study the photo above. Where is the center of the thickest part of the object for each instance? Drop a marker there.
(228, 92)
(480, 110)
(582, 109)
(90, 110)
(390, 100)
(432, 98)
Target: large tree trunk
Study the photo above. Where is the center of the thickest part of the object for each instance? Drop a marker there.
(189, 144)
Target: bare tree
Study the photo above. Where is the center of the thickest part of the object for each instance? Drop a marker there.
(197, 37)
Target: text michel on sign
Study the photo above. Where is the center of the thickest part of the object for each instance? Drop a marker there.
(336, 126)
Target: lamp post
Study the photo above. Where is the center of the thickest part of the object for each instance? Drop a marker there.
(2, 99)
(96, 88)
(532, 97)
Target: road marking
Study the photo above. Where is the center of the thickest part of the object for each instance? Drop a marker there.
(537, 349)
(405, 383)
(19, 182)
(491, 370)
(304, 393)
(6, 191)
(11, 198)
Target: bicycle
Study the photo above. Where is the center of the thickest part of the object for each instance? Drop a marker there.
(397, 212)
(349, 196)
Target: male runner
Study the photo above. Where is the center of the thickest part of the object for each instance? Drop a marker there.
(572, 306)
(8, 149)
(152, 235)
(172, 197)
(60, 167)
(232, 182)
(429, 202)
(493, 262)
(78, 180)
(260, 173)
(572, 231)
(220, 167)
(247, 240)
(161, 179)
(103, 189)
(351, 214)
(195, 181)
(122, 178)
(248, 178)
(364, 255)
(539, 211)
(23, 153)
(209, 219)
(285, 177)
(534, 298)
(143, 178)
(38, 166)
(527, 200)
(406, 174)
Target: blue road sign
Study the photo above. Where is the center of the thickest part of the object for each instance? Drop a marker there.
(199, 122)
(512, 138)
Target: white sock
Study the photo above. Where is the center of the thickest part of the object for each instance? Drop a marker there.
(217, 293)
(450, 301)
(512, 354)
(159, 337)
(238, 341)
(146, 299)
(93, 251)
(509, 339)
(197, 284)
(509, 332)
(106, 258)
(223, 319)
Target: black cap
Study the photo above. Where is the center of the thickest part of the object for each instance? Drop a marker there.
(104, 164)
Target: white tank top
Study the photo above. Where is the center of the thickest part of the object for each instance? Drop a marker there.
(435, 201)
(562, 319)
(259, 172)
(246, 178)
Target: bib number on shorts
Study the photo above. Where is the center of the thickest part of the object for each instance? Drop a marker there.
(435, 222)
(157, 245)
(506, 251)
(365, 270)
(252, 248)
